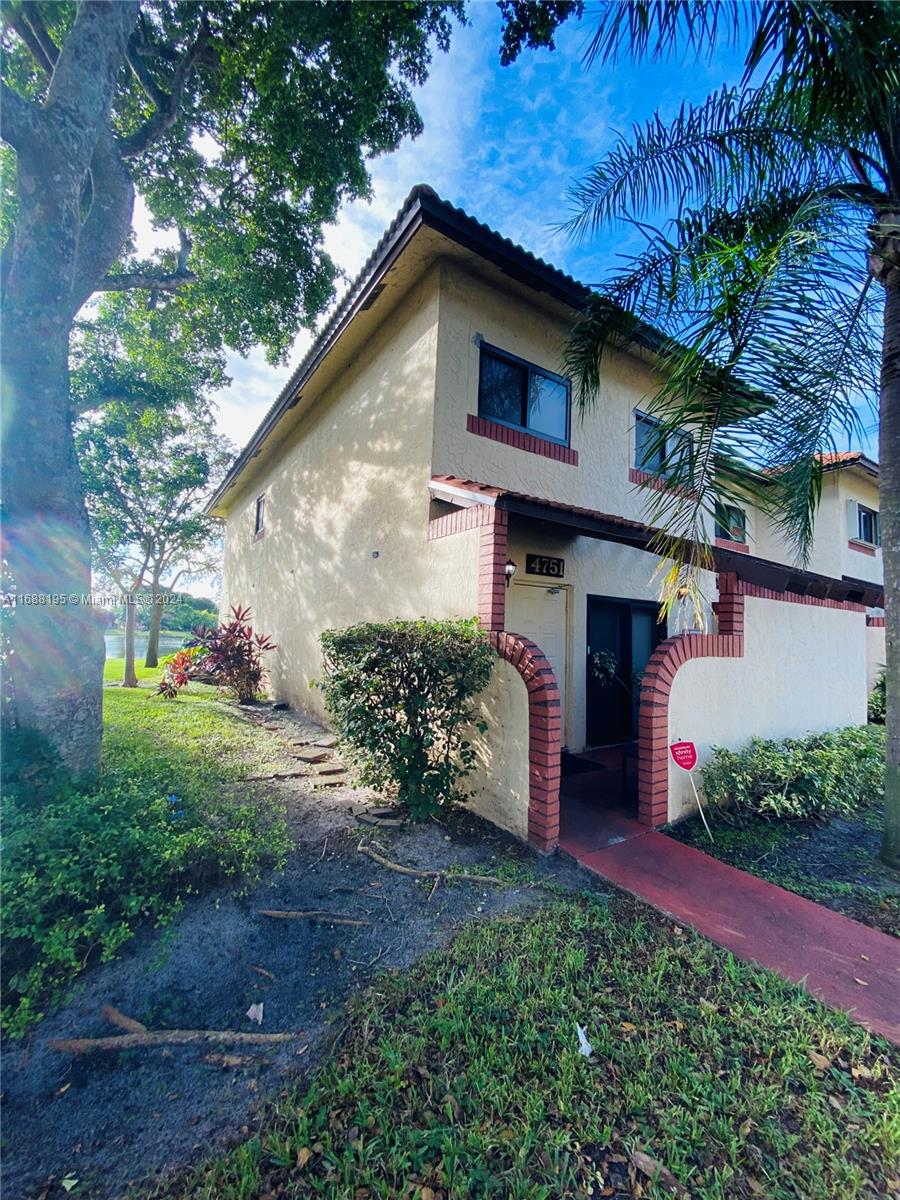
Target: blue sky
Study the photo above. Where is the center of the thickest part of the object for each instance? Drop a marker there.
(503, 143)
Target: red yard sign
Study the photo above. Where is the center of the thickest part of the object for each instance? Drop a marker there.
(684, 755)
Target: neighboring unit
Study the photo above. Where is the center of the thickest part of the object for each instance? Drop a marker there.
(425, 460)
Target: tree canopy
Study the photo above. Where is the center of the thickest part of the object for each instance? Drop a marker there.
(243, 127)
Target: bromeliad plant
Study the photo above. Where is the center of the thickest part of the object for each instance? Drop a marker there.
(401, 697)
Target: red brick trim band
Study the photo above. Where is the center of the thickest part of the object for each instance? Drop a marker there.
(520, 439)
(657, 482)
(656, 686)
(728, 544)
(875, 622)
(544, 734)
(861, 549)
(752, 589)
(473, 517)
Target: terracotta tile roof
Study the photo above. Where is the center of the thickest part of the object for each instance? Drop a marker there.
(838, 457)
(495, 493)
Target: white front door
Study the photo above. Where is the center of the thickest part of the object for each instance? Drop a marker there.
(539, 612)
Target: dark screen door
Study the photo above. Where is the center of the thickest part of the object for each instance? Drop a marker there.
(621, 636)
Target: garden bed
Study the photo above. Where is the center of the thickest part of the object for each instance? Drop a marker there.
(835, 864)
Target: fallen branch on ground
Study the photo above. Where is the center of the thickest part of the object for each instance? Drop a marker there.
(165, 1037)
(277, 775)
(129, 1024)
(440, 875)
(312, 914)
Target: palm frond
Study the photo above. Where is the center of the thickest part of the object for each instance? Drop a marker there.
(716, 151)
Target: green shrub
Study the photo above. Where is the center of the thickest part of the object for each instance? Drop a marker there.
(400, 696)
(814, 777)
(878, 700)
(82, 869)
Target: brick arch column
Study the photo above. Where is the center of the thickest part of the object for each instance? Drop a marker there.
(653, 718)
(544, 734)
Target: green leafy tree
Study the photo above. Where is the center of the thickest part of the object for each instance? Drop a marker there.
(243, 127)
(775, 279)
(142, 352)
(145, 481)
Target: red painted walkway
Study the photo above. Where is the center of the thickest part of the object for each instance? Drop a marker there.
(755, 920)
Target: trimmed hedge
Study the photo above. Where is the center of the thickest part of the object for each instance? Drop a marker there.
(810, 778)
(400, 698)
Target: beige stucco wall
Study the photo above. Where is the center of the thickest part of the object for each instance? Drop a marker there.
(499, 785)
(470, 308)
(876, 654)
(804, 669)
(350, 484)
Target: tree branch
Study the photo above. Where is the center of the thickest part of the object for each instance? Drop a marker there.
(134, 280)
(168, 104)
(108, 222)
(22, 121)
(14, 19)
(49, 49)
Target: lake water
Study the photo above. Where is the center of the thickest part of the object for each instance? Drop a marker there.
(168, 644)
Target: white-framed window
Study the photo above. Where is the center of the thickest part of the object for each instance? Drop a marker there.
(259, 518)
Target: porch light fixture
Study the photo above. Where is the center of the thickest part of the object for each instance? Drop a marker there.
(509, 570)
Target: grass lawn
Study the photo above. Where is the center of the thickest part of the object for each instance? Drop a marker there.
(464, 1079)
(114, 671)
(835, 864)
(83, 869)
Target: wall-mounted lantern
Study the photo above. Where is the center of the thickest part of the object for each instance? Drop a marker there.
(509, 570)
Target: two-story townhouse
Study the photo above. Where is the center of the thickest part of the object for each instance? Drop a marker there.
(425, 459)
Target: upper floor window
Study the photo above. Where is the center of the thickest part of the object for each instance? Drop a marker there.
(731, 523)
(659, 454)
(868, 526)
(259, 523)
(518, 393)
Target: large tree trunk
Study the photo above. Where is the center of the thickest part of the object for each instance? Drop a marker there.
(156, 613)
(54, 670)
(130, 679)
(55, 259)
(889, 454)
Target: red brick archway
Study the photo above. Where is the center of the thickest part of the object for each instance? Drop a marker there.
(544, 734)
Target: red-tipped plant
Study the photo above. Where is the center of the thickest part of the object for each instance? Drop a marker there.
(232, 654)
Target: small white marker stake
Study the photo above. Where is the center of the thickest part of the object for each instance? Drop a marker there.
(684, 755)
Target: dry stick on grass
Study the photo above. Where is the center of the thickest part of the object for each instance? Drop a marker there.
(439, 875)
(129, 1024)
(166, 1037)
(312, 914)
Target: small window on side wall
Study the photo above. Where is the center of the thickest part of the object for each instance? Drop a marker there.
(731, 523)
(259, 523)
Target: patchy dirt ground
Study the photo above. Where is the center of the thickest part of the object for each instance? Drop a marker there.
(110, 1119)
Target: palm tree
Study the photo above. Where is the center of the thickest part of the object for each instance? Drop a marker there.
(775, 277)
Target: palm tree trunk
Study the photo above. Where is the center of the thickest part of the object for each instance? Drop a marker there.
(152, 657)
(889, 454)
(131, 679)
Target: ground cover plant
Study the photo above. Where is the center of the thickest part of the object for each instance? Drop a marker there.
(708, 1078)
(815, 777)
(83, 868)
(835, 863)
(400, 695)
(805, 814)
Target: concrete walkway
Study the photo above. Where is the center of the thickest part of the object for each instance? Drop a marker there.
(841, 962)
